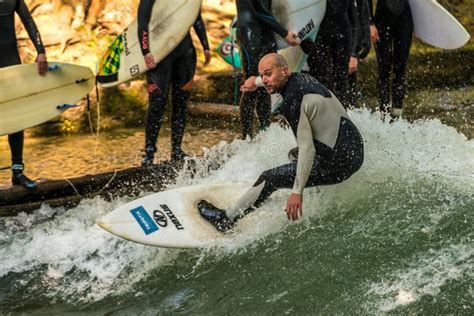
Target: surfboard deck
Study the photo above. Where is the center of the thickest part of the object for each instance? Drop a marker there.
(28, 99)
(434, 25)
(171, 218)
(169, 24)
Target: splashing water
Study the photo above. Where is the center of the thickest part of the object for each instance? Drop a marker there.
(397, 236)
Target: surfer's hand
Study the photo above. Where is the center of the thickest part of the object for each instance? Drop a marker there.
(249, 85)
(150, 61)
(374, 34)
(207, 56)
(42, 64)
(353, 63)
(292, 38)
(294, 206)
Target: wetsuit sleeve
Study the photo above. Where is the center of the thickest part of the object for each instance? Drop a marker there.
(267, 17)
(200, 29)
(371, 12)
(306, 151)
(144, 15)
(355, 25)
(30, 26)
(364, 18)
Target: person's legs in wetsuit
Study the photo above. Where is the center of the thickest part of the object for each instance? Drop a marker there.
(349, 158)
(16, 141)
(158, 80)
(259, 98)
(393, 48)
(340, 54)
(319, 60)
(182, 80)
(328, 62)
(384, 52)
(402, 37)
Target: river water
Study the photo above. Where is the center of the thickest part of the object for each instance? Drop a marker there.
(397, 237)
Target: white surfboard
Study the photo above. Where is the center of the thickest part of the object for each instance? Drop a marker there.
(28, 99)
(171, 218)
(169, 24)
(303, 17)
(434, 25)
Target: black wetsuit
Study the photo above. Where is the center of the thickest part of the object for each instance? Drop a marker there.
(176, 71)
(9, 54)
(255, 32)
(328, 56)
(394, 23)
(330, 148)
(360, 20)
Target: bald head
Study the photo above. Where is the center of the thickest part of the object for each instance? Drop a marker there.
(273, 68)
(274, 59)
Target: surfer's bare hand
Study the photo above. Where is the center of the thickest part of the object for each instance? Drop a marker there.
(294, 206)
(292, 38)
(249, 85)
(42, 63)
(353, 63)
(374, 34)
(150, 61)
(207, 56)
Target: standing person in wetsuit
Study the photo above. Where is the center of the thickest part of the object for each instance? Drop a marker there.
(9, 56)
(391, 31)
(175, 72)
(255, 32)
(328, 56)
(360, 21)
(330, 148)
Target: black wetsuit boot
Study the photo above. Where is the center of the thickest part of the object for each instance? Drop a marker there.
(18, 178)
(215, 216)
(148, 156)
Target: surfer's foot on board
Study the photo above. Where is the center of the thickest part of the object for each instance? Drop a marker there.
(18, 178)
(148, 156)
(215, 216)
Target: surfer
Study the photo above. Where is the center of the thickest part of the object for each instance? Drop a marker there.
(328, 56)
(360, 21)
(391, 31)
(9, 56)
(255, 33)
(175, 72)
(330, 148)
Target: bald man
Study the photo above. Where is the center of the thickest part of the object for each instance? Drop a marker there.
(330, 148)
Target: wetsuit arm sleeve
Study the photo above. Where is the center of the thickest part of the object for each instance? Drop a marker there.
(200, 29)
(306, 151)
(355, 25)
(144, 15)
(267, 17)
(371, 11)
(30, 26)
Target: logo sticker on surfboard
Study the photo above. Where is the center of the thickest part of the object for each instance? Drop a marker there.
(145, 221)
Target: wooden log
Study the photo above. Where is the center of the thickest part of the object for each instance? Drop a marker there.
(122, 182)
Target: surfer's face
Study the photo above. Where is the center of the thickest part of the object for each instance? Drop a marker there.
(273, 75)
